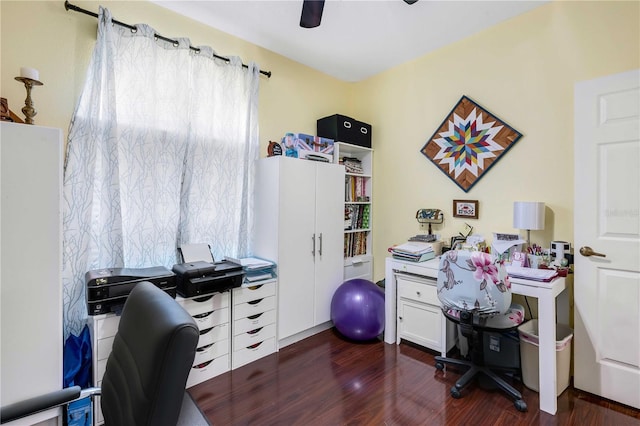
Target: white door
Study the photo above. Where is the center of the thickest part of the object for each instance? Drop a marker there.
(296, 223)
(607, 220)
(329, 260)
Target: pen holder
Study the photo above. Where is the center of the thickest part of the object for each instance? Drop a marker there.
(535, 261)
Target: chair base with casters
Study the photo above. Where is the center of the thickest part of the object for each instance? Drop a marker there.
(476, 368)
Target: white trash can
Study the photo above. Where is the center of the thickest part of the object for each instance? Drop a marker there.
(529, 355)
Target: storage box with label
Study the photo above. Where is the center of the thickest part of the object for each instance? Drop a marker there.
(345, 129)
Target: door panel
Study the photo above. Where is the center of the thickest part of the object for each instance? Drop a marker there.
(329, 225)
(296, 261)
(607, 219)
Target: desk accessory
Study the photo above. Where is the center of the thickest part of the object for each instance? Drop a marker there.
(558, 250)
(429, 216)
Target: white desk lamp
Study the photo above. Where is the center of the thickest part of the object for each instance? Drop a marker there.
(528, 215)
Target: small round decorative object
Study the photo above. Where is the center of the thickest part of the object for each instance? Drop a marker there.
(564, 262)
(357, 309)
(274, 148)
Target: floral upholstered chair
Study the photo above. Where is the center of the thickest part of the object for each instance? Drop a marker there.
(475, 292)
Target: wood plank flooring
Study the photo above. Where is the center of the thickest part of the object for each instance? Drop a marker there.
(326, 380)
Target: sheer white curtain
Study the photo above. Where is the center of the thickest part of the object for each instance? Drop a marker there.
(160, 153)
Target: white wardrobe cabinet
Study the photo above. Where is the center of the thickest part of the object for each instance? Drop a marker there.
(31, 335)
(299, 225)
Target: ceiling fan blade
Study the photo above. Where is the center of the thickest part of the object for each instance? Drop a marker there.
(311, 13)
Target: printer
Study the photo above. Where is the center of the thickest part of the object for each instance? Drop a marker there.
(201, 278)
(107, 289)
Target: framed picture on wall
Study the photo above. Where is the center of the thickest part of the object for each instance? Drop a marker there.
(467, 209)
(469, 142)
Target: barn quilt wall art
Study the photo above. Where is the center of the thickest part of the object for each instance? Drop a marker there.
(469, 142)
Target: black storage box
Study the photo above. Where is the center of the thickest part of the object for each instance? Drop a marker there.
(341, 128)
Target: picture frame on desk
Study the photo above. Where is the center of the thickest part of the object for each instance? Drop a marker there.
(467, 209)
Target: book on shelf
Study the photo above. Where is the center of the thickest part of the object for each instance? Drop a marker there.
(355, 244)
(351, 165)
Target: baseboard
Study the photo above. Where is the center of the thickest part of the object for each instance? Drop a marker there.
(304, 334)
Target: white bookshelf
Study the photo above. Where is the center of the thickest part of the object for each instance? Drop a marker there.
(358, 190)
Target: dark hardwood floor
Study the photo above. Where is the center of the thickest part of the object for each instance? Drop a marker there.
(326, 380)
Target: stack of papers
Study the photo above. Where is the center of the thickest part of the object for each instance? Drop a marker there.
(255, 269)
(413, 251)
(544, 275)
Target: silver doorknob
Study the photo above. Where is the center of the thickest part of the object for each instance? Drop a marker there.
(587, 251)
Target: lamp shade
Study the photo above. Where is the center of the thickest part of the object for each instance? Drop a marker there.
(528, 215)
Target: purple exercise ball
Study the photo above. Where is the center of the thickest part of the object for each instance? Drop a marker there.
(357, 309)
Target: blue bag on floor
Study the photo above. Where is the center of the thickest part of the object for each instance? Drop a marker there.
(77, 360)
(79, 413)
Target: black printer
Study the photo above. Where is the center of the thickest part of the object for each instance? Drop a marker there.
(200, 278)
(107, 289)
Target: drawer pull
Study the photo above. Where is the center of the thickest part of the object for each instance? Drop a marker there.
(203, 298)
(255, 302)
(256, 316)
(257, 330)
(205, 331)
(418, 293)
(204, 348)
(255, 287)
(400, 318)
(255, 345)
(206, 314)
(203, 365)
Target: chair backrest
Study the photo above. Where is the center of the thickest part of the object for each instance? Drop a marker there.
(152, 354)
(472, 281)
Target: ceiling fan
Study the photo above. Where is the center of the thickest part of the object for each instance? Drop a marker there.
(312, 12)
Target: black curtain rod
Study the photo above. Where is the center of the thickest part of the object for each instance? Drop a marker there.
(75, 8)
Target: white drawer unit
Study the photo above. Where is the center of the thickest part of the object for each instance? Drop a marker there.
(419, 317)
(254, 322)
(103, 330)
(208, 369)
(358, 267)
(212, 314)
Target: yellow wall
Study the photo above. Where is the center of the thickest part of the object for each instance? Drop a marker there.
(522, 70)
(43, 35)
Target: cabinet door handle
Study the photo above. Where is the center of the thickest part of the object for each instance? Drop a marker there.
(320, 251)
(313, 240)
(399, 318)
(418, 293)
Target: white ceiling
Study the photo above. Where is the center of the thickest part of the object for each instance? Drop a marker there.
(357, 38)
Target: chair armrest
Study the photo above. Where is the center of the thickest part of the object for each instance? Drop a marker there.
(44, 402)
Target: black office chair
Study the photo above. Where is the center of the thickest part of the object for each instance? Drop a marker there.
(146, 374)
(474, 292)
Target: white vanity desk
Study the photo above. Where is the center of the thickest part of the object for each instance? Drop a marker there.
(546, 294)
